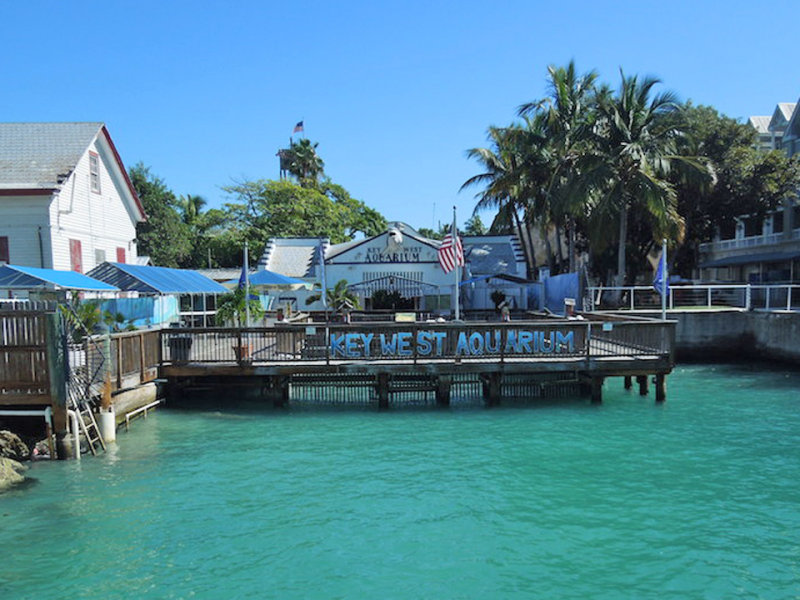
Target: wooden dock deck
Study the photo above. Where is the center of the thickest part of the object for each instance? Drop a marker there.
(381, 354)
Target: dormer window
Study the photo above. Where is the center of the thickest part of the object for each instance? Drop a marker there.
(94, 172)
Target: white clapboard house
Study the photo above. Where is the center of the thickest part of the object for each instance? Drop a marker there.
(66, 201)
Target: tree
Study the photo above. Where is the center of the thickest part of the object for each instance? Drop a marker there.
(635, 152)
(749, 181)
(569, 117)
(234, 307)
(163, 236)
(191, 208)
(474, 226)
(338, 298)
(266, 208)
(303, 161)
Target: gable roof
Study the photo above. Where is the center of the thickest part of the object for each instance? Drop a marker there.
(759, 123)
(40, 157)
(783, 112)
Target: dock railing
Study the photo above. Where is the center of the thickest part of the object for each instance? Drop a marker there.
(744, 296)
(419, 343)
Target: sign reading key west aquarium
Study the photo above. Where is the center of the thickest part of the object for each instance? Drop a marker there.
(434, 344)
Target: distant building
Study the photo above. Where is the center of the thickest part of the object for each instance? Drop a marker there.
(66, 202)
(762, 251)
(403, 262)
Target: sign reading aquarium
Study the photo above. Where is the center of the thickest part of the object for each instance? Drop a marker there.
(405, 344)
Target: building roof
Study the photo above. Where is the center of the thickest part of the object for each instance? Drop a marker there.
(780, 117)
(31, 278)
(155, 280)
(294, 257)
(41, 156)
(760, 124)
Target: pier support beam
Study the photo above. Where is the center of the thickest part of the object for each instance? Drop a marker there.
(597, 390)
(661, 387)
(492, 388)
(443, 385)
(628, 382)
(382, 389)
(277, 390)
(642, 381)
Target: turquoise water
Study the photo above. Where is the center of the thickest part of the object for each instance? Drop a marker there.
(698, 498)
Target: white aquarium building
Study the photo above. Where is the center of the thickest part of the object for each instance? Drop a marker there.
(402, 264)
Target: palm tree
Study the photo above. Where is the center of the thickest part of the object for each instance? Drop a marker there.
(568, 120)
(339, 298)
(191, 207)
(304, 162)
(514, 171)
(634, 153)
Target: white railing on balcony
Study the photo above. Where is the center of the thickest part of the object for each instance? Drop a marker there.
(748, 242)
(744, 296)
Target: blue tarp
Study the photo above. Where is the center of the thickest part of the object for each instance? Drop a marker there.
(144, 312)
(156, 280)
(559, 287)
(32, 278)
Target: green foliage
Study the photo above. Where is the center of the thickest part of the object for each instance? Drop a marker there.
(339, 298)
(266, 208)
(474, 226)
(303, 162)
(233, 307)
(163, 236)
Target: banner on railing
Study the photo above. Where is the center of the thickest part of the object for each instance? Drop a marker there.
(441, 344)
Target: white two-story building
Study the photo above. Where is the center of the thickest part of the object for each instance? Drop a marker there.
(66, 201)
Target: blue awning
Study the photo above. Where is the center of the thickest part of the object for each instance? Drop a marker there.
(156, 280)
(32, 278)
(503, 276)
(265, 277)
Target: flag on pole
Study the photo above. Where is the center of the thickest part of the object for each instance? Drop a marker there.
(298, 128)
(323, 283)
(661, 281)
(451, 252)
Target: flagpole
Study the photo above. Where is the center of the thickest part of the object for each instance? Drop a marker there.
(323, 278)
(664, 279)
(454, 232)
(246, 267)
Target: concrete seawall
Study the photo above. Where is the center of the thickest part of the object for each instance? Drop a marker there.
(734, 334)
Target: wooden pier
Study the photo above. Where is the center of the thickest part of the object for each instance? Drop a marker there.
(386, 360)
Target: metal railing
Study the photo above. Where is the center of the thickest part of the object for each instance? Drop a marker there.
(419, 343)
(744, 296)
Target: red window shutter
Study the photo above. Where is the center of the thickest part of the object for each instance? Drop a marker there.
(75, 256)
(120, 255)
(4, 249)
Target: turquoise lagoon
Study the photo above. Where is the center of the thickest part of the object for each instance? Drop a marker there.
(697, 498)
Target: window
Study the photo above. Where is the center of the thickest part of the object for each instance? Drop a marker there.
(777, 222)
(752, 226)
(4, 249)
(75, 256)
(99, 256)
(121, 255)
(94, 172)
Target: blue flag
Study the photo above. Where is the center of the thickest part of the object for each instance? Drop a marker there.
(661, 281)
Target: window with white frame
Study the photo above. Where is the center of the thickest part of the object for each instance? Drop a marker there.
(94, 172)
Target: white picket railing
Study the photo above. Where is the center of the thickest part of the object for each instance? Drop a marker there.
(745, 296)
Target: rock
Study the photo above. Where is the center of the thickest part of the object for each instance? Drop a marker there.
(13, 447)
(10, 473)
(41, 450)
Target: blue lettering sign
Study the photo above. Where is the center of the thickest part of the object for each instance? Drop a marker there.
(404, 343)
(388, 348)
(424, 346)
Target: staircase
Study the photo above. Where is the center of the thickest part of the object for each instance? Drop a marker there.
(79, 402)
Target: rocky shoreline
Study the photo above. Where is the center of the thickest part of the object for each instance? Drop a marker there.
(12, 452)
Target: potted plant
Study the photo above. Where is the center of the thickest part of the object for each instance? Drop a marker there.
(234, 307)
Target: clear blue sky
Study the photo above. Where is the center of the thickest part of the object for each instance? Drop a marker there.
(207, 92)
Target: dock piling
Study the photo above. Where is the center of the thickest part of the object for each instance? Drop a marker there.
(661, 387)
(642, 381)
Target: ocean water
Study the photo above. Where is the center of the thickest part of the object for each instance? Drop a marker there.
(696, 498)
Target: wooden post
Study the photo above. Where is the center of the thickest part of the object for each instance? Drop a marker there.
(57, 371)
(661, 387)
(492, 388)
(443, 384)
(628, 382)
(597, 390)
(141, 358)
(119, 363)
(642, 381)
(382, 385)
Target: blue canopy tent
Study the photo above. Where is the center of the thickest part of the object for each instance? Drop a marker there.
(189, 289)
(14, 277)
(267, 278)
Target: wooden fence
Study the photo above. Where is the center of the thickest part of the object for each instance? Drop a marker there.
(24, 373)
(133, 357)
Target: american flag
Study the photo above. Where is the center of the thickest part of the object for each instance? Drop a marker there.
(298, 128)
(451, 252)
